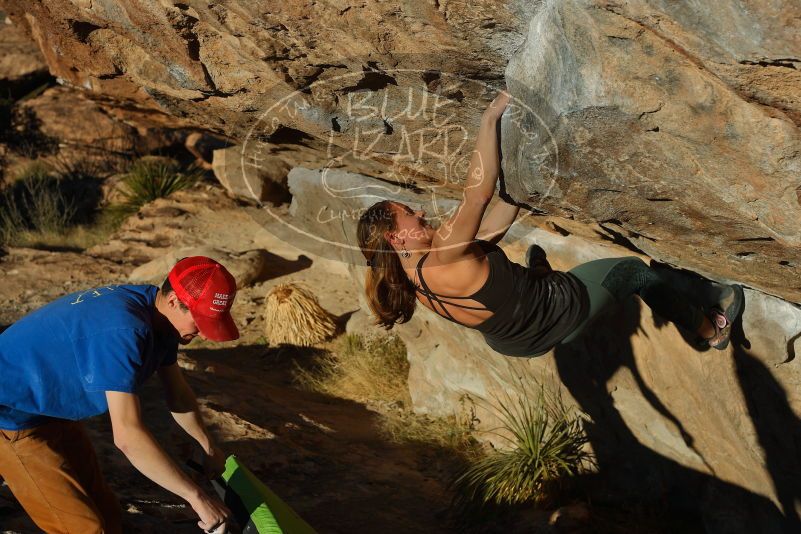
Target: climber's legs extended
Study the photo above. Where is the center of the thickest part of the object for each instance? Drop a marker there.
(612, 280)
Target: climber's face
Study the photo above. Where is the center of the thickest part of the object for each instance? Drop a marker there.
(411, 227)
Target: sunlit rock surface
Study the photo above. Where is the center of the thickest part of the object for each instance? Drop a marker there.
(676, 126)
(22, 66)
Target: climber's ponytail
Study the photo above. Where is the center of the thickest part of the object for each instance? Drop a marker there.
(390, 294)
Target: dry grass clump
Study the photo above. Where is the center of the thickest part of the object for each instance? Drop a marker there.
(293, 316)
(363, 369)
(34, 203)
(546, 448)
(76, 238)
(453, 432)
(52, 207)
(374, 370)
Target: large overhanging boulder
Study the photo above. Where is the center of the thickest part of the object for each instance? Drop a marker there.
(674, 126)
(677, 127)
(223, 65)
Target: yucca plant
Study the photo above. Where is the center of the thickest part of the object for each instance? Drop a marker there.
(152, 178)
(545, 448)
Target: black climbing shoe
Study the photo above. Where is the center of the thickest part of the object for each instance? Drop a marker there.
(537, 260)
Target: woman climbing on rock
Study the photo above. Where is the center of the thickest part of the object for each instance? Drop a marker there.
(460, 273)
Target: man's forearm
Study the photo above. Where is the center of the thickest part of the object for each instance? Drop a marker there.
(183, 405)
(146, 455)
(137, 443)
(192, 423)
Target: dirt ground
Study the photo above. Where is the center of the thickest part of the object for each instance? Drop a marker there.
(323, 455)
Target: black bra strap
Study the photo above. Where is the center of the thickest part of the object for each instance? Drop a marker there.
(428, 294)
(438, 298)
(433, 297)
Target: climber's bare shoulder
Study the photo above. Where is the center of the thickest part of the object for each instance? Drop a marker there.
(461, 276)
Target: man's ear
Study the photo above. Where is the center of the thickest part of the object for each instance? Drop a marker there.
(172, 300)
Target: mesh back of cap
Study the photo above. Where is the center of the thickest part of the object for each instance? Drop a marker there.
(197, 274)
(195, 281)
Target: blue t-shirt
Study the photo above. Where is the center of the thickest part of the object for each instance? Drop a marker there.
(61, 359)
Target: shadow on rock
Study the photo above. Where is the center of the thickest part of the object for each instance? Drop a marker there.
(635, 476)
(325, 456)
(279, 266)
(777, 427)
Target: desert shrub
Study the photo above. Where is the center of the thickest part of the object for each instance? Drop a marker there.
(35, 202)
(42, 207)
(374, 370)
(544, 448)
(152, 178)
(453, 432)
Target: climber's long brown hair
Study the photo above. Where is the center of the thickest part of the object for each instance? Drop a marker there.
(390, 294)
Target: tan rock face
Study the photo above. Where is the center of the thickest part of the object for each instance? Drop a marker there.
(85, 135)
(668, 127)
(246, 267)
(85, 127)
(21, 63)
(248, 174)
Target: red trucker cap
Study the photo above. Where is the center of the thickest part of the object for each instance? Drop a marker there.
(208, 290)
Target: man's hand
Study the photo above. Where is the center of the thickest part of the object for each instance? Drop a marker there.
(143, 451)
(214, 462)
(212, 513)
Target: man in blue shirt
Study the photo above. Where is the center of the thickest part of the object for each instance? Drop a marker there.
(87, 353)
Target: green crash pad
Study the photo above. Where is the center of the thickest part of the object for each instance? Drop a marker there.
(255, 506)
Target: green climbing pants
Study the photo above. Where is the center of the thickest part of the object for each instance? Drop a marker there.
(612, 280)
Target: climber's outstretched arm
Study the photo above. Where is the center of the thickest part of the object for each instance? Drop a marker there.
(497, 221)
(453, 238)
